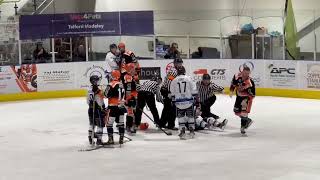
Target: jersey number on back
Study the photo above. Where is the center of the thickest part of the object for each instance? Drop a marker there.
(182, 84)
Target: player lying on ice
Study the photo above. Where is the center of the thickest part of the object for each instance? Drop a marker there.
(206, 98)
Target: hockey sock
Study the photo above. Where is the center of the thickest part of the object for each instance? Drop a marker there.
(243, 121)
(110, 131)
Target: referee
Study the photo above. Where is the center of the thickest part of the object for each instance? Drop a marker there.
(206, 96)
(146, 96)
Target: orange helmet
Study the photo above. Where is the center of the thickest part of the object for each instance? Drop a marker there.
(115, 75)
(121, 45)
(130, 68)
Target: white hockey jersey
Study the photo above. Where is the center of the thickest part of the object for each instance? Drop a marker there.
(112, 62)
(98, 98)
(183, 90)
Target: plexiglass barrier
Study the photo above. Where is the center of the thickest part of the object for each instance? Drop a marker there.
(218, 34)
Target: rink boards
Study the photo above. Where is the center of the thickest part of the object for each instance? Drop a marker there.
(298, 79)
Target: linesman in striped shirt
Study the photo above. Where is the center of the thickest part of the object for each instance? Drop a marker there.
(206, 95)
(168, 115)
(146, 95)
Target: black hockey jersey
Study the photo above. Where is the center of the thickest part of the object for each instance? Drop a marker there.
(243, 87)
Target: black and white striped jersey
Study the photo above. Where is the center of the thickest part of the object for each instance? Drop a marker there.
(149, 86)
(171, 75)
(207, 91)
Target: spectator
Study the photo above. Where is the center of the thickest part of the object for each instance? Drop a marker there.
(40, 54)
(197, 55)
(80, 53)
(172, 52)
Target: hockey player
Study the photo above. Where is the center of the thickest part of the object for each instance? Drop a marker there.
(113, 59)
(96, 111)
(183, 94)
(127, 57)
(168, 115)
(245, 91)
(130, 87)
(209, 123)
(206, 96)
(114, 92)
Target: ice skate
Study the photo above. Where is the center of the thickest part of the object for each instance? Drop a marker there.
(191, 134)
(223, 124)
(243, 130)
(121, 139)
(99, 142)
(110, 141)
(211, 123)
(182, 134)
(90, 140)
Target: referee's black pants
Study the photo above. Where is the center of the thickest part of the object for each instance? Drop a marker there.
(168, 115)
(144, 98)
(205, 108)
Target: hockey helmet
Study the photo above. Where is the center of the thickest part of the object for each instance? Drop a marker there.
(115, 74)
(181, 70)
(177, 60)
(112, 46)
(121, 45)
(94, 80)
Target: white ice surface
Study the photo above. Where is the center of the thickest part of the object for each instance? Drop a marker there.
(39, 140)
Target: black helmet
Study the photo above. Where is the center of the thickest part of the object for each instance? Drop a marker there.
(177, 60)
(181, 70)
(112, 46)
(94, 80)
(206, 77)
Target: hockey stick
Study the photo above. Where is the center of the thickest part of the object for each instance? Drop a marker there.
(93, 119)
(167, 133)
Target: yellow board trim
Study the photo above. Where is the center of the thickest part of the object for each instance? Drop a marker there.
(290, 93)
(304, 94)
(42, 95)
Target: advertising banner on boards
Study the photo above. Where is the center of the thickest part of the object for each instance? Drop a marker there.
(58, 76)
(86, 24)
(86, 69)
(256, 67)
(309, 75)
(16, 79)
(281, 74)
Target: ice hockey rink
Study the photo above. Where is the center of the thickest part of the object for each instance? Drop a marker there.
(39, 140)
